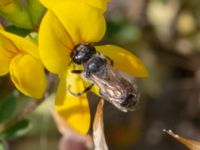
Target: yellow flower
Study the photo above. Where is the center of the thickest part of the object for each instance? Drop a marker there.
(64, 26)
(99, 4)
(20, 58)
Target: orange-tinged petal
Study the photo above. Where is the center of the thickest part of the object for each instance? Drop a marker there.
(75, 110)
(124, 60)
(15, 43)
(27, 73)
(82, 22)
(100, 4)
(54, 44)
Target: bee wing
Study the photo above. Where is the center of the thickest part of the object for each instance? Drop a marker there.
(108, 78)
(114, 85)
(118, 76)
(131, 79)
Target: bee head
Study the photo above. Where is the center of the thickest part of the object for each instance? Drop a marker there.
(82, 53)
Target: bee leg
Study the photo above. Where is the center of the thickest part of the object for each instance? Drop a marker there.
(82, 92)
(111, 61)
(77, 71)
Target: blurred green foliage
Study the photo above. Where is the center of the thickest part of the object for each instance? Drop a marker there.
(17, 130)
(1, 146)
(11, 128)
(7, 107)
(122, 32)
(36, 11)
(24, 14)
(17, 30)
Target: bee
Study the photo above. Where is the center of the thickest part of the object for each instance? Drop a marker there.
(114, 86)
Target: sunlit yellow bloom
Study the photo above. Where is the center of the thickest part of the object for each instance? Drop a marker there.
(63, 27)
(20, 58)
(99, 4)
(74, 109)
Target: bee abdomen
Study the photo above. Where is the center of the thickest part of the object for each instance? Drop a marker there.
(129, 101)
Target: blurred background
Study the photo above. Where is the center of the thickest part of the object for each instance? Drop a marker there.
(165, 35)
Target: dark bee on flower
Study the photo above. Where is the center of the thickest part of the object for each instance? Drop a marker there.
(115, 86)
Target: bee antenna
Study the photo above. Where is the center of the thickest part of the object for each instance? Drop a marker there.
(72, 58)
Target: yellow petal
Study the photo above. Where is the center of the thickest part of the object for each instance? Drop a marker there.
(124, 60)
(10, 46)
(7, 52)
(100, 4)
(5, 58)
(18, 44)
(27, 73)
(82, 22)
(54, 44)
(75, 110)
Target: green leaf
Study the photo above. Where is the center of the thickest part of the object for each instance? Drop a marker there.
(17, 15)
(36, 11)
(19, 129)
(7, 107)
(17, 30)
(1, 146)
